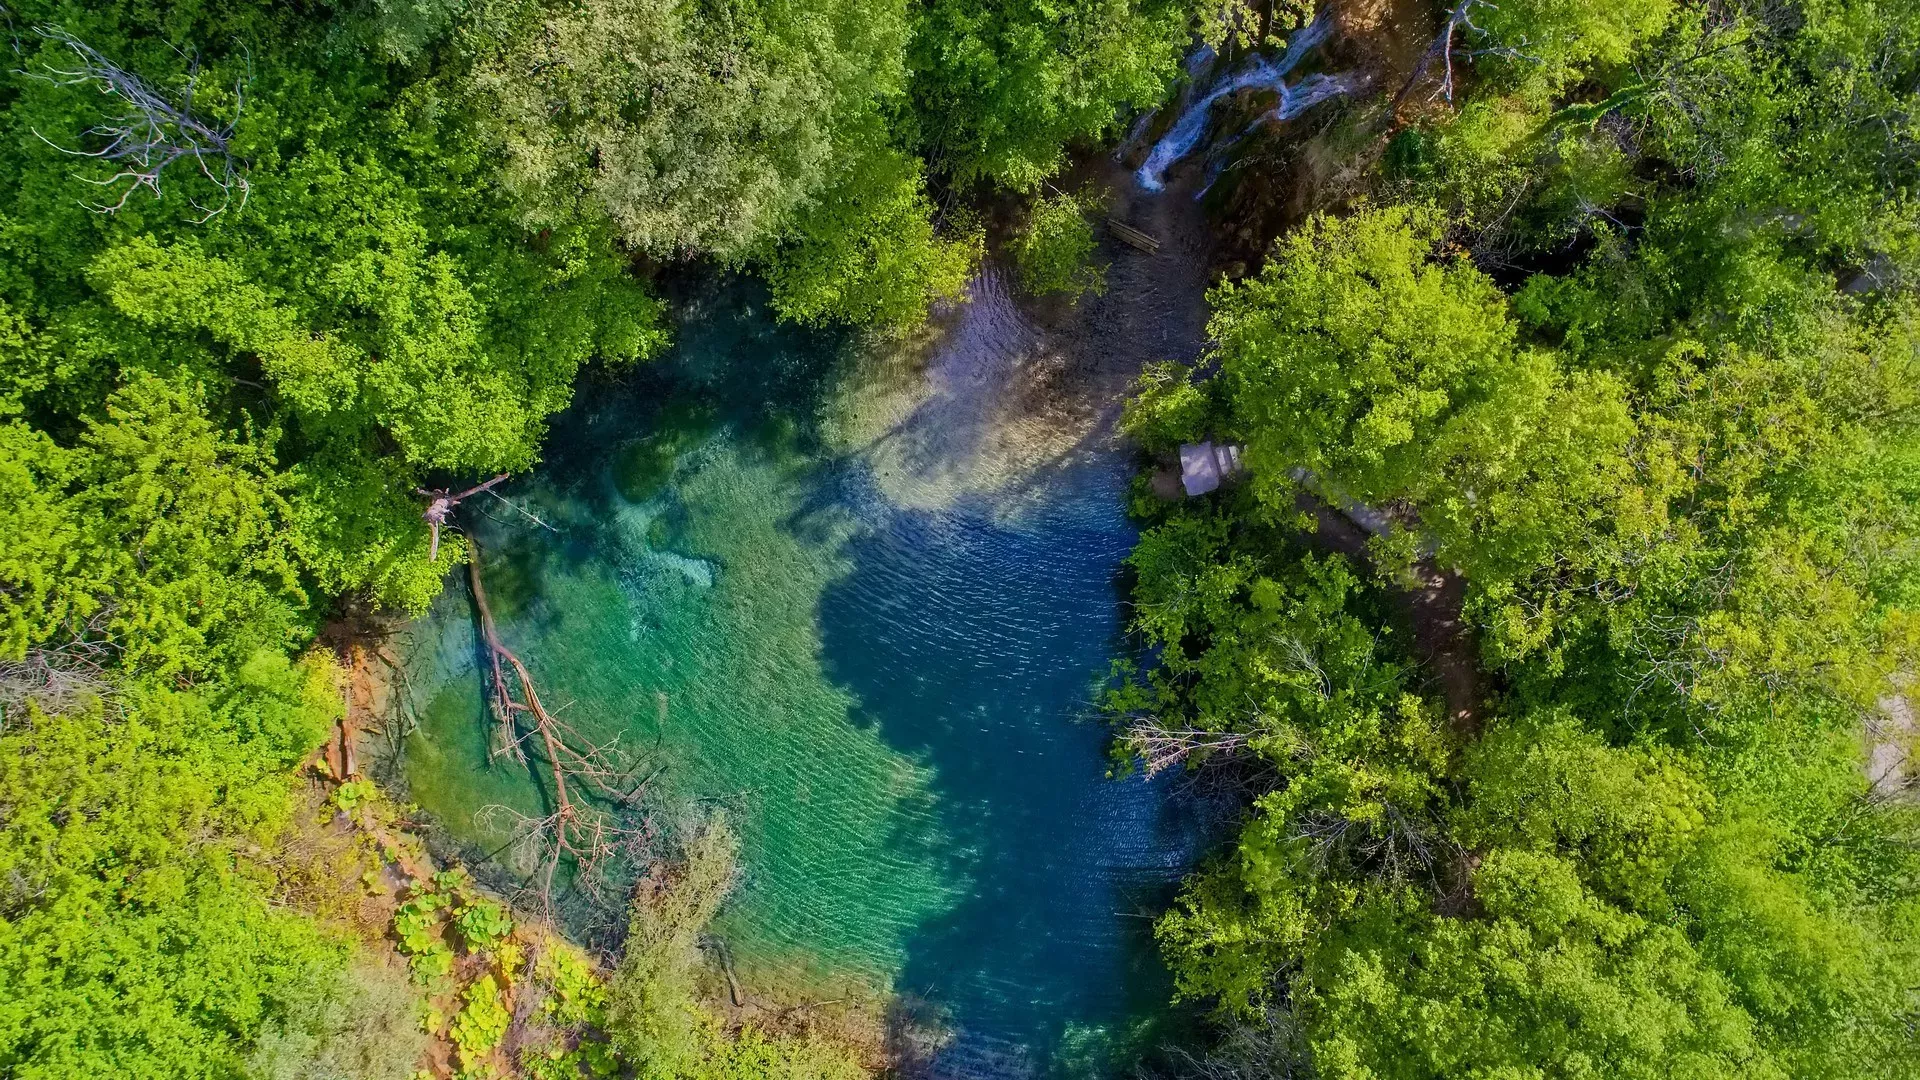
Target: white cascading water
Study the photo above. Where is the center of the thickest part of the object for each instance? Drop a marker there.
(1199, 68)
(1191, 126)
(1294, 100)
(1311, 91)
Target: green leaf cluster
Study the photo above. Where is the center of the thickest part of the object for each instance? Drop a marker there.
(653, 1011)
(1054, 251)
(136, 934)
(1001, 88)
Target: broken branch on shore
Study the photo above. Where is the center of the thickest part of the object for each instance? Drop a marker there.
(440, 508)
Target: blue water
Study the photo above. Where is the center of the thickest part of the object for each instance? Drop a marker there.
(860, 596)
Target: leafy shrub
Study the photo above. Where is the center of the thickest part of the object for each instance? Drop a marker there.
(483, 924)
(360, 1026)
(480, 1026)
(419, 925)
(1167, 407)
(1054, 253)
(354, 794)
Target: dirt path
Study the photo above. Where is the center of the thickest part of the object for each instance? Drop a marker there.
(1890, 743)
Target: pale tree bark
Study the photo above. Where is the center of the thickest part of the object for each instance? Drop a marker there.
(152, 131)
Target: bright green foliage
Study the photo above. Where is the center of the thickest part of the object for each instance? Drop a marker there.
(354, 794)
(419, 924)
(1054, 251)
(576, 996)
(755, 1055)
(217, 411)
(652, 1006)
(367, 1028)
(1167, 407)
(1800, 121)
(1002, 87)
(156, 530)
(865, 251)
(1293, 680)
(575, 1004)
(133, 940)
(483, 924)
(782, 157)
(1627, 925)
(618, 102)
(1557, 42)
(1351, 351)
(1390, 376)
(449, 900)
(1679, 468)
(371, 311)
(480, 1025)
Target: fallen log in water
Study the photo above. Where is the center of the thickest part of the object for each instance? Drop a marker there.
(575, 829)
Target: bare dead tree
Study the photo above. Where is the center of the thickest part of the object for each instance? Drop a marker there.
(54, 680)
(586, 779)
(151, 132)
(61, 678)
(1393, 846)
(1265, 1046)
(1160, 748)
(1447, 45)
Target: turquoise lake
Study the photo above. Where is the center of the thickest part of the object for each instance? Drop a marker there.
(861, 596)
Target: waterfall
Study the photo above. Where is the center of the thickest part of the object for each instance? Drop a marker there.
(1199, 68)
(1294, 100)
(1311, 91)
(1191, 126)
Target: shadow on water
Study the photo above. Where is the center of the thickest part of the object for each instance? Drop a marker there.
(732, 365)
(976, 647)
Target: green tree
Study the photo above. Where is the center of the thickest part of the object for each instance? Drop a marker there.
(620, 104)
(1054, 250)
(865, 250)
(653, 1010)
(1001, 89)
(136, 937)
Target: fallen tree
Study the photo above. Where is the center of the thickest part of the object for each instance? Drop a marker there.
(589, 783)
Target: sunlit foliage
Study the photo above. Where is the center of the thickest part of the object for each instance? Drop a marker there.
(1675, 459)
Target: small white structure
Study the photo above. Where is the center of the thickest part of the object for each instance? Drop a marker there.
(1204, 465)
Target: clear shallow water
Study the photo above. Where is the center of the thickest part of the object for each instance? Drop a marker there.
(864, 605)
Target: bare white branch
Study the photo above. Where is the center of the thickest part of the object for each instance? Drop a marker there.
(151, 132)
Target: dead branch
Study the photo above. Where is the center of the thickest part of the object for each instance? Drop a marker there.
(1160, 749)
(579, 829)
(440, 508)
(59, 679)
(50, 679)
(1393, 847)
(151, 133)
(1444, 49)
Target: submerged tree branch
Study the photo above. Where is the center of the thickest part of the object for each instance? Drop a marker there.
(577, 830)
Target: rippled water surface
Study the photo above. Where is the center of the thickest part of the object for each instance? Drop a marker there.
(861, 596)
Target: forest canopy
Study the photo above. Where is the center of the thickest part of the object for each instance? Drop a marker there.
(1616, 336)
(1622, 340)
(272, 271)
